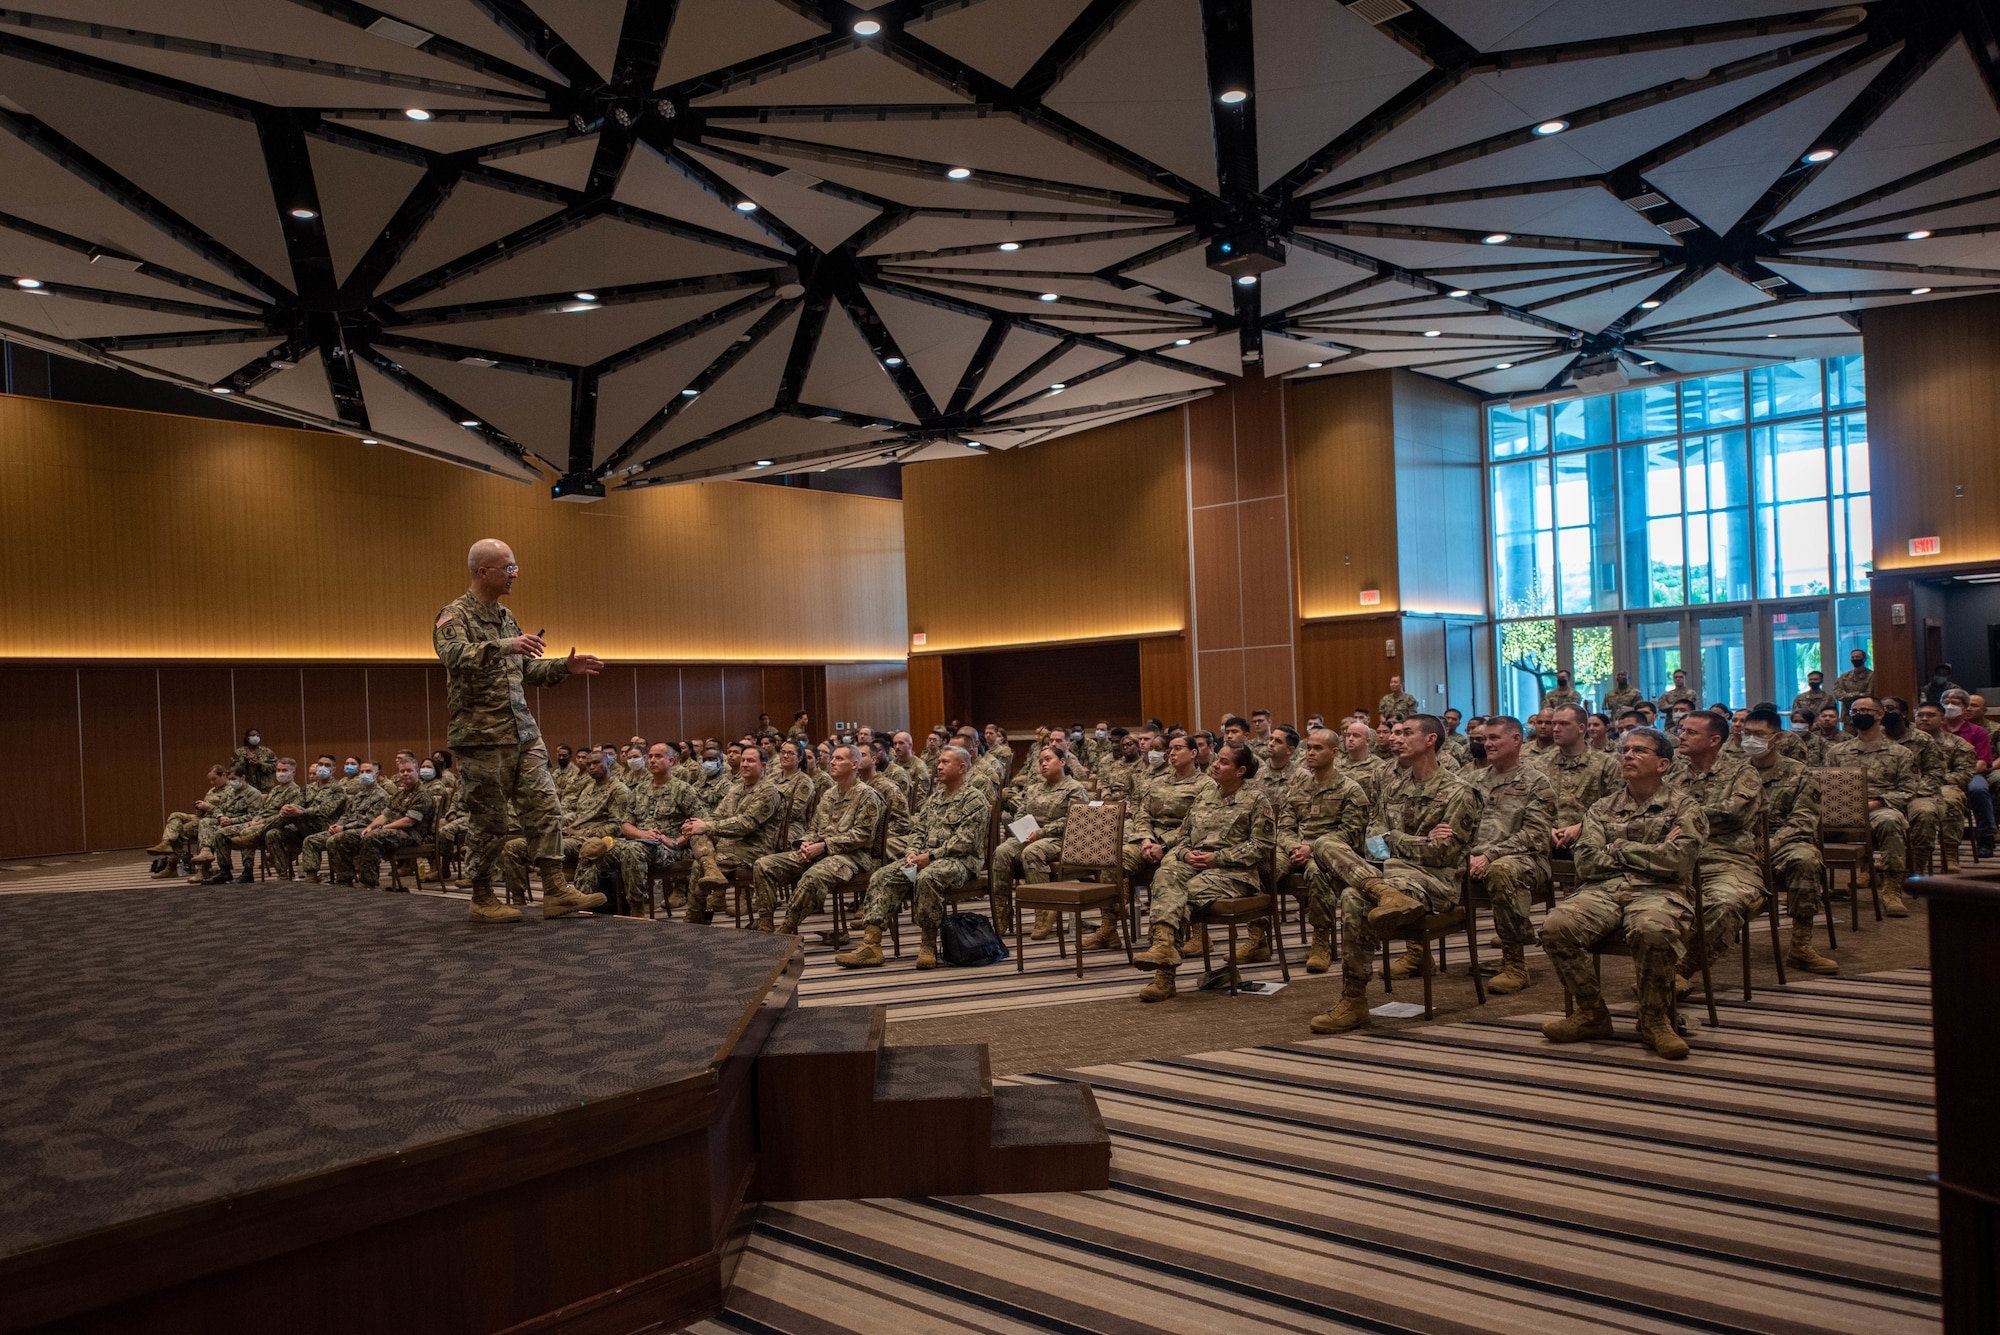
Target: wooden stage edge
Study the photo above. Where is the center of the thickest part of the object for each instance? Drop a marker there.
(624, 1214)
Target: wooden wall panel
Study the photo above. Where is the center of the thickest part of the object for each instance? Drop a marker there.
(609, 578)
(742, 698)
(41, 788)
(877, 694)
(1166, 679)
(781, 692)
(123, 806)
(614, 703)
(1218, 576)
(1266, 574)
(271, 701)
(1342, 666)
(1934, 428)
(1221, 683)
(701, 702)
(1211, 452)
(196, 730)
(1024, 688)
(1343, 445)
(336, 712)
(563, 714)
(660, 704)
(1440, 497)
(926, 693)
(398, 715)
(1267, 683)
(1114, 565)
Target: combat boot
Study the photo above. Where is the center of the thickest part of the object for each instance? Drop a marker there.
(1255, 950)
(1003, 919)
(1892, 903)
(1513, 976)
(312, 878)
(1657, 1033)
(1393, 908)
(791, 923)
(868, 954)
(927, 949)
(698, 917)
(1045, 925)
(1409, 964)
(1801, 954)
(1197, 942)
(1350, 1012)
(559, 897)
(249, 876)
(764, 922)
(163, 869)
(485, 908)
(1321, 958)
(1162, 954)
(1589, 1020)
(1160, 988)
(161, 849)
(711, 873)
(1105, 937)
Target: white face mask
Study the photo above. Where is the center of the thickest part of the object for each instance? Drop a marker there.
(1755, 746)
(427, 773)
(284, 776)
(711, 767)
(367, 778)
(236, 783)
(323, 772)
(255, 740)
(1156, 758)
(636, 764)
(1954, 711)
(1101, 734)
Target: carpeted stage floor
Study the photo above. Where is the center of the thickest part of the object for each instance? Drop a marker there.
(1457, 1176)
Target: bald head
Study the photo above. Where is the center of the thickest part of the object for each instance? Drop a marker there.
(491, 565)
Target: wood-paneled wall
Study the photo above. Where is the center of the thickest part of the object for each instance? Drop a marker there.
(101, 752)
(1344, 666)
(1166, 688)
(132, 535)
(1343, 446)
(877, 694)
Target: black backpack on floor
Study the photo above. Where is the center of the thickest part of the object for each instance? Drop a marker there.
(969, 938)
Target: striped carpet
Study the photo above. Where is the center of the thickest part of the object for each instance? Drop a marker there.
(1464, 1177)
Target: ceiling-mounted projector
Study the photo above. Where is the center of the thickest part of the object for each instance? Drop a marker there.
(1594, 375)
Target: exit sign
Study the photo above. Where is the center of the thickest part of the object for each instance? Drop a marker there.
(1370, 597)
(1925, 546)
(917, 640)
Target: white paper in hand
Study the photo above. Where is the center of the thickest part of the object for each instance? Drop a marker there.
(911, 872)
(1024, 827)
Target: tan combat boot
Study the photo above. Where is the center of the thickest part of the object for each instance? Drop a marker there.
(1393, 908)
(765, 922)
(1350, 1012)
(1255, 950)
(867, 955)
(1160, 988)
(559, 897)
(1161, 954)
(1106, 936)
(1045, 925)
(1892, 903)
(161, 849)
(790, 927)
(485, 908)
(1321, 958)
(1409, 964)
(1657, 1033)
(711, 873)
(167, 868)
(1003, 919)
(1197, 942)
(1589, 1020)
(1801, 954)
(1513, 976)
(927, 949)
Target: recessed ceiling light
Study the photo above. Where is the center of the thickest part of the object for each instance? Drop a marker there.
(976, 444)
(1010, 245)
(1182, 342)
(1458, 292)
(1495, 238)
(746, 206)
(1649, 305)
(220, 389)
(689, 393)
(586, 296)
(1551, 127)
(1049, 296)
(1917, 235)
(892, 361)
(1247, 280)
(370, 440)
(1230, 97)
(1314, 366)
(866, 28)
(1433, 333)
(763, 463)
(29, 283)
(1503, 366)
(1646, 361)
(1770, 336)
(959, 173)
(418, 114)
(304, 215)
(1820, 155)
(1918, 291)
(1058, 387)
(470, 421)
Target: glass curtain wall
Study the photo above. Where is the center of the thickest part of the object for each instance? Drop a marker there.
(1681, 509)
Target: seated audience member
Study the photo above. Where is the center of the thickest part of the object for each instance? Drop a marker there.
(1324, 808)
(1633, 860)
(897, 834)
(1962, 722)
(240, 807)
(1542, 735)
(1892, 786)
(1731, 797)
(591, 823)
(249, 834)
(1791, 815)
(1955, 766)
(406, 821)
(1204, 749)
(1218, 853)
(1510, 851)
(1927, 768)
(257, 761)
(1046, 800)
(364, 802)
(748, 823)
(650, 839)
(182, 833)
(319, 804)
(917, 772)
(1598, 734)
(1358, 760)
(794, 783)
(1001, 753)
(1457, 745)
(946, 844)
(1279, 768)
(1152, 821)
(1423, 822)
(1580, 776)
(838, 845)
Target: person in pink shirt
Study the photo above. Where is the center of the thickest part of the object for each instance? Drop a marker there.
(1961, 720)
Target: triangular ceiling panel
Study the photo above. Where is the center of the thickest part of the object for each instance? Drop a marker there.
(468, 22)
(446, 135)
(779, 440)
(717, 34)
(745, 390)
(471, 216)
(359, 192)
(1001, 41)
(1595, 310)
(847, 375)
(603, 252)
(396, 414)
(1493, 25)
(591, 28)
(822, 219)
(628, 397)
(1145, 84)
(860, 74)
(652, 183)
(579, 337)
(304, 387)
(938, 343)
(1590, 211)
(1716, 290)
(532, 409)
(1021, 349)
(206, 364)
(1320, 68)
(566, 164)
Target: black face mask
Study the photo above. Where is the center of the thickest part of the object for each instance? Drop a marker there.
(1864, 722)
(1894, 724)
(1478, 750)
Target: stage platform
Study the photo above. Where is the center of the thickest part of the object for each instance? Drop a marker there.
(241, 1108)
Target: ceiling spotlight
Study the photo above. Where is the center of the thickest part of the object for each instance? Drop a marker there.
(1458, 292)
(304, 215)
(689, 393)
(280, 364)
(1058, 387)
(1820, 155)
(1182, 342)
(959, 173)
(1231, 97)
(1918, 291)
(1433, 333)
(586, 296)
(418, 114)
(220, 389)
(1503, 366)
(1551, 127)
(763, 463)
(1010, 245)
(892, 361)
(866, 28)
(470, 422)
(29, 283)
(1647, 361)
(1495, 238)
(1049, 296)
(1314, 366)
(1649, 305)
(1247, 280)
(746, 206)
(370, 440)
(1917, 235)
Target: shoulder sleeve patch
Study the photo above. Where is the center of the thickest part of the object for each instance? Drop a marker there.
(443, 617)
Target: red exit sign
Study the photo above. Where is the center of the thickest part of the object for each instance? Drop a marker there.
(1925, 546)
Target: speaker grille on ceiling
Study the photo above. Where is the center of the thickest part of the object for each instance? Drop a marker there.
(1679, 225)
(1768, 283)
(1649, 200)
(1378, 11)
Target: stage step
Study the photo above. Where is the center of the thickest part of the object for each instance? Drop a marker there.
(841, 1116)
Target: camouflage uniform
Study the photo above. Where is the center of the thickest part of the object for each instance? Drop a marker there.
(847, 824)
(1425, 869)
(238, 805)
(1120, 780)
(323, 802)
(1458, 747)
(496, 741)
(1394, 703)
(1676, 695)
(920, 780)
(1238, 829)
(1634, 869)
(748, 822)
(182, 833)
(1513, 837)
(260, 765)
(1580, 781)
(1620, 699)
(1369, 771)
(1791, 813)
(800, 797)
(1851, 685)
(264, 825)
(1810, 703)
(368, 850)
(655, 806)
(896, 833)
(1157, 812)
(1892, 781)
(1033, 862)
(1322, 814)
(1929, 764)
(1558, 696)
(598, 813)
(1731, 796)
(952, 829)
(361, 804)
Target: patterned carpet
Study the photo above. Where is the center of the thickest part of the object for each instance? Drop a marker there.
(1444, 1178)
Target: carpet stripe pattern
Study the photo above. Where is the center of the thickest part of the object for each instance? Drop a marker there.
(1455, 1177)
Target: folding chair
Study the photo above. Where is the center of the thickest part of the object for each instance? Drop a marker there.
(1093, 844)
(1242, 910)
(1435, 927)
(1846, 840)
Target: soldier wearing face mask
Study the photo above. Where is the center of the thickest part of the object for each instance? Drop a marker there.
(1892, 786)
(365, 801)
(1962, 719)
(1927, 803)
(241, 807)
(1119, 770)
(182, 835)
(257, 761)
(1791, 815)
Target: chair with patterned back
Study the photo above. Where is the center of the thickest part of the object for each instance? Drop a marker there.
(1093, 844)
(1847, 838)
(1240, 911)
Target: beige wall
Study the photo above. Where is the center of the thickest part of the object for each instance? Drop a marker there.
(131, 535)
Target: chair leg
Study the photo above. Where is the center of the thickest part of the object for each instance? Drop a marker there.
(1388, 982)
(1424, 946)
(1826, 904)
(1701, 957)
(1278, 939)
(1062, 939)
(1020, 943)
(1079, 941)
(1472, 955)
(1743, 949)
(1229, 961)
(1777, 951)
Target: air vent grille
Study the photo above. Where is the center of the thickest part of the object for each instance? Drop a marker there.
(1378, 11)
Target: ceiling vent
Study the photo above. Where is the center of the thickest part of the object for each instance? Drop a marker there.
(1378, 11)
(1649, 200)
(408, 34)
(1768, 283)
(1679, 225)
